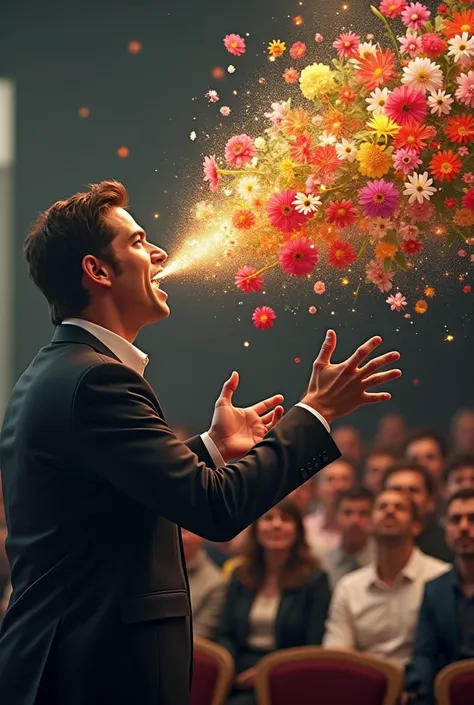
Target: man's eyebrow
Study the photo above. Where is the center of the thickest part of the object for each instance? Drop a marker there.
(137, 233)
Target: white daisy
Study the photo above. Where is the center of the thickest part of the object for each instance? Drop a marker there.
(366, 49)
(461, 48)
(378, 227)
(259, 143)
(419, 188)
(248, 187)
(346, 150)
(423, 75)
(326, 138)
(440, 102)
(306, 203)
(377, 101)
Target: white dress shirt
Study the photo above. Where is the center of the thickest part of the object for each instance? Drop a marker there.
(131, 356)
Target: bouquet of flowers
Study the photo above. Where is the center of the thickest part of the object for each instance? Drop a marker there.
(373, 161)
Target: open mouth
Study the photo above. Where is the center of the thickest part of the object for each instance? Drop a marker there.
(155, 281)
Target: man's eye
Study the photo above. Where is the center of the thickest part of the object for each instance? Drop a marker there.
(138, 241)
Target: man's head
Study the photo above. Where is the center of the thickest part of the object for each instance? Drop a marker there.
(192, 544)
(392, 431)
(395, 518)
(416, 481)
(333, 480)
(429, 449)
(462, 431)
(89, 258)
(349, 442)
(459, 474)
(304, 496)
(376, 463)
(353, 516)
(459, 523)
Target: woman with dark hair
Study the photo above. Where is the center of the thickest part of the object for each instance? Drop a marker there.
(277, 597)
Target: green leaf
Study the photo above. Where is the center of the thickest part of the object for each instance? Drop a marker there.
(363, 248)
(387, 264)
(401, 260)
(439, 24)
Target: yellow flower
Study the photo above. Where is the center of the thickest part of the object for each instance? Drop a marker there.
(464, 217)
(383, 126)
(315, 80)
(385, 249)
(287, 169)
(276, 48)
(429, 291)
(374, 160)
(421, 306)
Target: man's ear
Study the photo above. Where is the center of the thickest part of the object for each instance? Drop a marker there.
(97, 271)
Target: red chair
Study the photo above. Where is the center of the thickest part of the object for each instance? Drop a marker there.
(213, 673)
(310, 675)
(454, 685)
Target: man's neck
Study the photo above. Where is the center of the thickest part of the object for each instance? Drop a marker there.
(111, 322)
(391, 559)
(352, 549)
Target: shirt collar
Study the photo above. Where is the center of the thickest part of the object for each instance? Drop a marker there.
(409, 571)
(125, 351)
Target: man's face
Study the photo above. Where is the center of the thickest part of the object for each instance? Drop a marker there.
(376, 465)
(460, 479)
(354, 520)
(414, 485)
(392, 518)
(349, 442)
(333, 480)
(460, 527)
(426, 452)
(303, 496)
(463, 435)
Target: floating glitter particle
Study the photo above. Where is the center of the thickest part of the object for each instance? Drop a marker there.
(156, 215)
(345, 281)
(297, 360)
(84, 112)
(192, 136)
(416, 381)
(231, 69)
(466, 289)
(312, 310)
(449, 338)
(218, 72)
(246, 344)
(298, 21)
(262, 81)
(134, 47)
(123, 152)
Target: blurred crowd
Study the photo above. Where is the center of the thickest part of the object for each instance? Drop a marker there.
(375, 554)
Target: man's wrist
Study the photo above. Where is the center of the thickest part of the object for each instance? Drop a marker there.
(326, 413)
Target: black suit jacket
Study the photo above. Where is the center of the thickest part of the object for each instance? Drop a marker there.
(95, 484)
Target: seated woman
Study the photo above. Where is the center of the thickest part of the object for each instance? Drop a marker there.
(277, 597)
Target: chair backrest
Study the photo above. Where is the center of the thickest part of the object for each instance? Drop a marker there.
(309, 675)
(454, 684)
(213, 673)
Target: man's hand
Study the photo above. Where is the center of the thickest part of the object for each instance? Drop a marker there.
(337, 389)
(245, 680)
(235, 431)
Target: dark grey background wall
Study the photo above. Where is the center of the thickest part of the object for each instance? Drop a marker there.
(66, 55)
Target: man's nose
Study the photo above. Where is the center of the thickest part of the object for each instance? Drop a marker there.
(158, 256)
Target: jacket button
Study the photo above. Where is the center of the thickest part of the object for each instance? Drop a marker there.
(304, 473)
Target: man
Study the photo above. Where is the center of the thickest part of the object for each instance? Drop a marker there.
(349, 442)
(392, 432)
(459, 474)
(429, 449)
(206, 586)
(446, 623)
(375, 609)
(355, 549)
(95, 483)
(376, 463)
(419, 484)
(462, 431)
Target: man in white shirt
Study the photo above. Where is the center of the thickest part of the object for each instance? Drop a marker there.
(375, 609)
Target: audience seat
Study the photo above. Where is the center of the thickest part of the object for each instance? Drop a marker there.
(454, 685)
(213, 673)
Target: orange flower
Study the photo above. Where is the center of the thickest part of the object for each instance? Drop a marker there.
(385, 250)
(461, 22)
(421, 306)
(327, 232)
(376, 69)
(324, 157)
(461, 128)
(445, 166)
(243, 219)
(413, 134)
(464, 217)
(429, 291)
(296, 121)
(335, 122)
(291, 75)
(439, 230)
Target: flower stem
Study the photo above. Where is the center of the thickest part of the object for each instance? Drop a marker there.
(390, 34)
(232, 172)
(267, 268)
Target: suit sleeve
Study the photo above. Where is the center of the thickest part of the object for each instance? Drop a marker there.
(339, 632)
(320, 598)
(421, 671)
(121, 435)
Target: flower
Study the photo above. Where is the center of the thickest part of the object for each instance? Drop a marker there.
(392, 8)
(464, 217)
(291, 75)
(346, 150)
(418, 187)
(421, 212)
(421, 306)
(341, 254)
(325, 159)
(212, 95)
(295, 121)
(306, 203)
(460, 129)
(248, 187)
(298, 50)
(263, 317)
(276, 48)
(433, 45)
(318, 37)
(413, 134)
(465, 91)
(231, 69)
(346, 45)
(246, 280)
(342, 213)
(468, 199)
(440, 102)
(377, 101)
(211, 172)
(445, 165)
(461, 48)
(243, 219)
(396, 302)
(278, 113)
(385, 250)
(415, 15)
(225, 110)
(405, 103)
(374, 160)
(379, 199)
(283, 214)
(259, 143)
(364, 50)
(461, 22)
(379, 227)
(423, 74)
(409, 232)
(376, 70)
(383, 125)
(298, 257)
(411, 44)
(347, 95)
(315, 80)
(466, 289)
(450, 203)
(319, 288)
(429, 292)
(406, 159)
(411, 247)
(377, 275)
(300, 149)
(235, 44)
(312, 310)
(239, 151)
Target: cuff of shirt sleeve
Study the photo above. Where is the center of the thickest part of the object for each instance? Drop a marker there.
(319, 416)
(211, 448)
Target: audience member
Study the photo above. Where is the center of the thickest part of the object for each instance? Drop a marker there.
(462, 431)
(415, 479)
(392, 433)
(375, 464)
(375, 609)
(277, 598)
(349, 442)
(304, 496)
(206, 585)
(355, 549)
(446, 623)
(459, 474)
(429, 449)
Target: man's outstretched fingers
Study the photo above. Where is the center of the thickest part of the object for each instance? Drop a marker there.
(378, 362)
(380, 378)
(327, 349)
(375, 397)
(362, 353)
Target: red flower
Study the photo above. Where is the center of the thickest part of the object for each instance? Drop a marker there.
(413, 134)
(411, 247)
(282, 212)
(243, 219)
(298, 50)
(246, 280)
(324, 158)
(461, 128)
(263, 317)
(443, 9)
(466, 289)
(342, 213)
(341, 254)
(468, 199)
(300, 149)
(347, 95)
(376, 69)
(450, 203)
(445, 165)
(298, 257)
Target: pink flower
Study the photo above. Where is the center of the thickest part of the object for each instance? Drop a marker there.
(225, 111)
(463, 151)
(465, 92)
(211, 172)
(409, 232)
(468, 199)
(415, 15)
(283, 214)
(298, 257)
(421, 212)
(392, 8)
(235, 44)
(379, 199)
(263, 317)
(239, 151)
(342, 213)
(377, 275)
(298, 50)
(312, 310)
(277, 114)
(397, 302)
(319, 288)
(246, 281)
(433, 45)
(347, 44)
(212, 96)
(462, 253)
(404, 103)
(410, 44)
(318, 38)
(468, 177)
(406, 159)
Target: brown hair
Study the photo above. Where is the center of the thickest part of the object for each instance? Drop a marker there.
(301, 562)
(62, 236)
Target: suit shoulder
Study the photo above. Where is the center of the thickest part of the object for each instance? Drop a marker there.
(440, 581)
